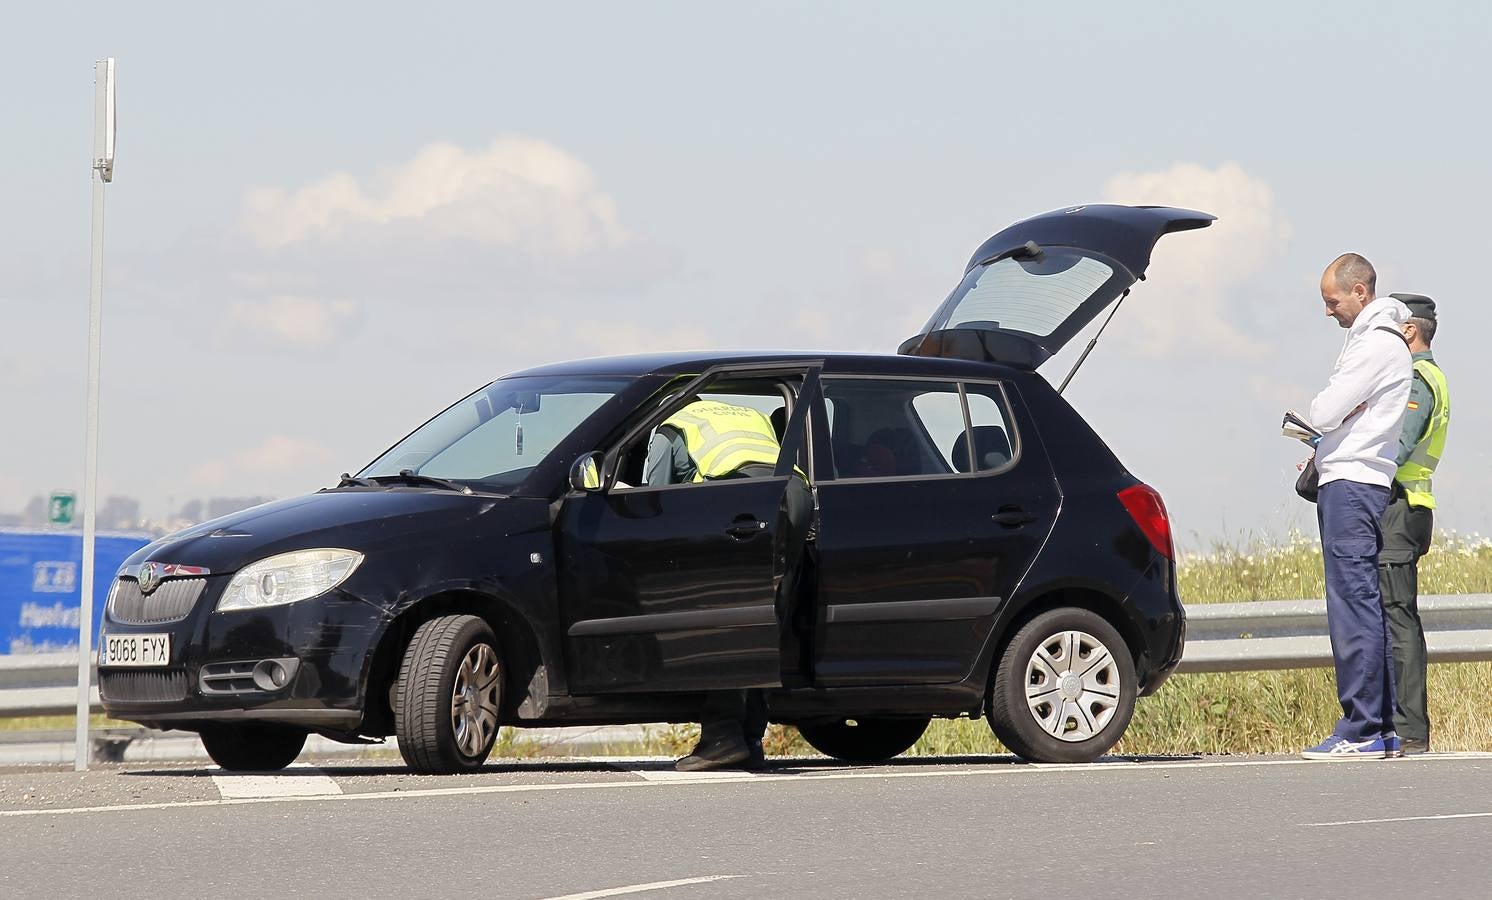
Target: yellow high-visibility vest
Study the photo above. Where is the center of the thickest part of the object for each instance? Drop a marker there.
(722, 437)
(1415, 474)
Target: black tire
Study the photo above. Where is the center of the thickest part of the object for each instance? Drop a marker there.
(437, 734)
(253, 748)
(1063, 720)
(862, 739)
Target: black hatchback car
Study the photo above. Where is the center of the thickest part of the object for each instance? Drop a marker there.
(976, 549)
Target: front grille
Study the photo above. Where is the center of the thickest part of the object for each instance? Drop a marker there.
(153, 686)
(171, 602)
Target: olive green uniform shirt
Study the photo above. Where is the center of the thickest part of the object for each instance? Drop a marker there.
(1417, 417)
(1407, 530)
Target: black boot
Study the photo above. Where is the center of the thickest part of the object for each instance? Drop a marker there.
(720, 746)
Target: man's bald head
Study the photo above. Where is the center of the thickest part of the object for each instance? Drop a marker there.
(1348, 285)
(1352, 269)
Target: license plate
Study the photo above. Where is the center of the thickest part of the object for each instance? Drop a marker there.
(135, 650)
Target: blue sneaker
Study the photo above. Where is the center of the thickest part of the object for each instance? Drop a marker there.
(1334, 748)
(1393, 748)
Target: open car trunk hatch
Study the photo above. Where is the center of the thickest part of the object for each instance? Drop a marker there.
(1029, 289)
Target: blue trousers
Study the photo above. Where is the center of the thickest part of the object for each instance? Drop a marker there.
(1348, 513)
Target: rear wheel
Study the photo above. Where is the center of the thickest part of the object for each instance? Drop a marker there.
(1065, 688)
(448, 695)
(253, 748)
(864, 739)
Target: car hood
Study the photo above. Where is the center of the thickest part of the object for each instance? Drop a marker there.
(365, 520)
(1031, 288)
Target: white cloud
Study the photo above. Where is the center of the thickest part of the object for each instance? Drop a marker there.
(265, 467)
(518, 192)
(1195, 275)
(298, 320)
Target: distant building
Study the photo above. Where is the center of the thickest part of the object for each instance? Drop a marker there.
(119, 514)
(35, 512)
(190, 512)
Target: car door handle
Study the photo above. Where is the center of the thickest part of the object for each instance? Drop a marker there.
(746, 528)
(1013, 517)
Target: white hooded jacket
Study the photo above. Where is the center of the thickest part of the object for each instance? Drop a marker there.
(1373, 371)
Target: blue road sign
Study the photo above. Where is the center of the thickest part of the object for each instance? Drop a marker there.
(40, 594)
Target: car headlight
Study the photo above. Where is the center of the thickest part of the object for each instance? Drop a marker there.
(287, 578)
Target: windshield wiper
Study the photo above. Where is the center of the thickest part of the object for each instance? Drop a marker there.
(345, 480)
(410, 476)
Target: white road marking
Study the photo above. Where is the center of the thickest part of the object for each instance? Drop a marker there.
(639, 888)
(672, 775)
(1476, 815)
(241, 787)
(1010, 770)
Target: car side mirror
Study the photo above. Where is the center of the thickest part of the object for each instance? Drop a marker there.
(585, 474)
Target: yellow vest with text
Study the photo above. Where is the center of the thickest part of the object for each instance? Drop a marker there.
(722, 437)
(1415, 473)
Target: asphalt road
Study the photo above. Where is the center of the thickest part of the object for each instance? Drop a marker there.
(976, 827)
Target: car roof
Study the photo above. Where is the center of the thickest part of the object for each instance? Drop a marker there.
(693, 363)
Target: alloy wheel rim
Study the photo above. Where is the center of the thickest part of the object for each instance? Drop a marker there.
(474, 700)
(1072, 685)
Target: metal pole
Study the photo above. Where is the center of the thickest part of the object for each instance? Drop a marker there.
(102, 170)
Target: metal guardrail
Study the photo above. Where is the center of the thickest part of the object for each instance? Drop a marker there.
(1291, 634)
(41, 684)
(1220, 637)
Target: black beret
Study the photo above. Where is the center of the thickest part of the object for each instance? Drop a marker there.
(1420, 306)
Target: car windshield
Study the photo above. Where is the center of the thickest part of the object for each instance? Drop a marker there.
(1034, 295)
(494, 438)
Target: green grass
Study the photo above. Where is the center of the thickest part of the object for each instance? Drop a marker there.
(59, 723)
(1458, 564)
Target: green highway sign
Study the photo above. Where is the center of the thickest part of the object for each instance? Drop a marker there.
(60, 510)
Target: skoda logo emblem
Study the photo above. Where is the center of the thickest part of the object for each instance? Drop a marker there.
(150, 577)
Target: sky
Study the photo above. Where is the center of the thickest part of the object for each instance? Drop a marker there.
(328, 221)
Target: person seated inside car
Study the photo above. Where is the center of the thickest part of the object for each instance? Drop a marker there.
(704, 441)
(709, 439)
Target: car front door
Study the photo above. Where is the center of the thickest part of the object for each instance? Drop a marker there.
(935, 512)
(672, 587)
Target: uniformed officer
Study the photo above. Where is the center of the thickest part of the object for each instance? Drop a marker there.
(704, 441)
(1408, 523)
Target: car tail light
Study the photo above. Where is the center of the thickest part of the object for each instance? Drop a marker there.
(1149, 512)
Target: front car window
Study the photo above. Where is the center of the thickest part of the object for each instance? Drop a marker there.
(653, 458)
(493, 439)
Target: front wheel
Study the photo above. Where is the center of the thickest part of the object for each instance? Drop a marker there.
(1064, 690)
(863, 740)
(448, 696)
(253, 748)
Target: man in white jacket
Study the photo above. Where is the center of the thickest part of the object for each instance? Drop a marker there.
(1360, 414)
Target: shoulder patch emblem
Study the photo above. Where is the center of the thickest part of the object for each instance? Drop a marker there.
(1413, 405)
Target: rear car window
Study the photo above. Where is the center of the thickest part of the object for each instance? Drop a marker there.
(898, 428)
(992, 443)
(1030, 295)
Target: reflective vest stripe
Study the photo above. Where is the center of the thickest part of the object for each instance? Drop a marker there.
(722, 438)
(1414, 474)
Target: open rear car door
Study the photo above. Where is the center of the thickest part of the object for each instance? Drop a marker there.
(1031, 288)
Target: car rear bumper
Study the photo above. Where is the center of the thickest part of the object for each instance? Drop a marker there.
(1162, 620)
(1165, 669)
